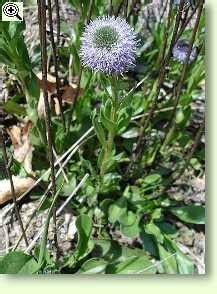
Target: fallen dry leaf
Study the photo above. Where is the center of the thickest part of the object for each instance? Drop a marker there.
(21, 142)
(69, 93)
(56, 106)
(20, 186)
(41, 106)
(51, 82)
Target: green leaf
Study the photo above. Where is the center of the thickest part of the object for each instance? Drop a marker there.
(14, 108)
(167, 228)
(149, 244)
(152, 179)
(130, 231)
(117, 209)
(99, 130)
(179, 116)
(128, 218)
(93, 266)
(195, 163)
(43, 244)
(17, 263)
(70, 186)
(84, 227)
(107, 123)
(185, 264)
(76, 58)
(132, 265)
(156, 214)
(152, 229)
(84, 245)
(168, 260)
(109, 250)
(124, 117)
(190, 214)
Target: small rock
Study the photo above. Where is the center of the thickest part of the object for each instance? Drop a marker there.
(72, 229)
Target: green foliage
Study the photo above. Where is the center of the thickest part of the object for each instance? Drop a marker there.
(126, 219)
(190, 214)
(84, 245)
(17, 263)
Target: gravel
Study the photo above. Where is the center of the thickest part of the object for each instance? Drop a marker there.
(65, 233)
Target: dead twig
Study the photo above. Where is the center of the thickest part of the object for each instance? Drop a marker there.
(43, 42)
(56, 59)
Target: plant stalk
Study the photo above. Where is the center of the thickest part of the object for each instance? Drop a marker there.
(43, 42)
(172, 122)
(111, 133)
(55, 57)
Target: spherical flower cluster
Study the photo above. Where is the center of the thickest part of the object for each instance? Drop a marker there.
(180, 52)
(109, 46)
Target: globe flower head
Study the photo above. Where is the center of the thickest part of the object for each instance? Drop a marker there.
(109, 46)
(180, 52)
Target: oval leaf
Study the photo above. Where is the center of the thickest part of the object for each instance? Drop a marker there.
(190, 214)
(16, 263)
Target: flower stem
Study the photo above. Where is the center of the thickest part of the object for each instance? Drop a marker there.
(112, 132)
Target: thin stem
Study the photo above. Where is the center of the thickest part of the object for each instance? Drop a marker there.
(112, 132)
(164, 10)
(119, 7)
(8, 171)
(166, 34)
(176, 35)
(58, 20)
(42, 30)
(56, 59)
(190, 153)
(90, 10)
(184, 25)
(133, 5)
(126, 9)
(177, 175)
(172, 122)
(43, 198)
(156, 90)
(110, 11)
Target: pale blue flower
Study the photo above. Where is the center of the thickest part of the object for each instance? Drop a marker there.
(180, 52)
(109, 45)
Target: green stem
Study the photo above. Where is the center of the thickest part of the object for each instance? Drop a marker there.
(111, 133)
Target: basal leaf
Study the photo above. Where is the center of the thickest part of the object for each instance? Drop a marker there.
(132, 265)
(93, 266)
(117, 209)
(168, 260)
(190, 214)
(17, 263)
(84, 227)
